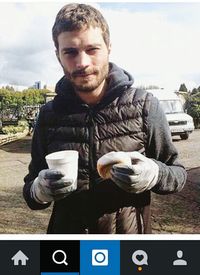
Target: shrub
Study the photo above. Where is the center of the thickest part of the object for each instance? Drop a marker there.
(193, 109)
(14, 129)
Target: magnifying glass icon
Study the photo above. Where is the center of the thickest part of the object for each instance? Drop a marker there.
(63, 261)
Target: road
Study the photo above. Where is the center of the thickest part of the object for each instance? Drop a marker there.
(189, 150)
(16, 217)
(179, 213)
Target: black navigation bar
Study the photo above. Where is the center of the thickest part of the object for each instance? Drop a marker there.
(99, 257)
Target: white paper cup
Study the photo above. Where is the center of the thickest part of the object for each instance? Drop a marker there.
(66, 162)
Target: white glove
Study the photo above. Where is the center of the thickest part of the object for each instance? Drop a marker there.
(141, 176)
(50, 186)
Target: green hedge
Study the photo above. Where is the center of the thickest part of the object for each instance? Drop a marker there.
(12, 129)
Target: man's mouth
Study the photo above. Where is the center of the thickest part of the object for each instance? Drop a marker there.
(83, 74)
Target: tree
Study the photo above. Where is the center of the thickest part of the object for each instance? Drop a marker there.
(193, 106)
(194, 92)
(13, 102)
(183, 88)
(9, 88)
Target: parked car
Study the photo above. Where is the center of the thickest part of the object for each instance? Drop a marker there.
(180, 123)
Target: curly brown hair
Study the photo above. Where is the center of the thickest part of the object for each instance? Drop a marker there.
(73, 17)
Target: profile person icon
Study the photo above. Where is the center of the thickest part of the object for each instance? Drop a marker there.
(179, 261)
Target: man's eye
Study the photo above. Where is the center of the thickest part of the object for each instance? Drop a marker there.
(70, 53)
(92, 50)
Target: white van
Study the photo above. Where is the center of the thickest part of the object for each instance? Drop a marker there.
(180, 123)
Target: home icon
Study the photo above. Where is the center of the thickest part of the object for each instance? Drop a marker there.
(19, 258)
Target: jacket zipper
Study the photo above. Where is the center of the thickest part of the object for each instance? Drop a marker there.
(91, 148)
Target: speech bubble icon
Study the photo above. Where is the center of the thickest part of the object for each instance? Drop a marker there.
(140, 257)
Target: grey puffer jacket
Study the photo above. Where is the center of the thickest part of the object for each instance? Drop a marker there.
(126, 119)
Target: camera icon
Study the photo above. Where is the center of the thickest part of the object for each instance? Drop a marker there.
(100, 257)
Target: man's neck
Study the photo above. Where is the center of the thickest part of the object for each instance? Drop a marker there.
(94, 97)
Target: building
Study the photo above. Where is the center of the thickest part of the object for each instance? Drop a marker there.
(37, 85)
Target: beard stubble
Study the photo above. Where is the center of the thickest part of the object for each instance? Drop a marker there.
(88, 86)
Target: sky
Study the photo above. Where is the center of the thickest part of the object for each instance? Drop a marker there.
(158, 43)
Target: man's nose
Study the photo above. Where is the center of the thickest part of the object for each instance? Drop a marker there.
(83, 60)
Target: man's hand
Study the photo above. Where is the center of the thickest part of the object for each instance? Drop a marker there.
(141, 176)
(50, 186)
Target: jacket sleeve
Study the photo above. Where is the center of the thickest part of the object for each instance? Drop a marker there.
(172, 175)
(38, 163)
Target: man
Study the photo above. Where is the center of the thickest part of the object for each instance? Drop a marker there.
(31, 122)
(97, 111)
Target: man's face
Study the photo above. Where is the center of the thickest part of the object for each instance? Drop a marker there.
(84, 57)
